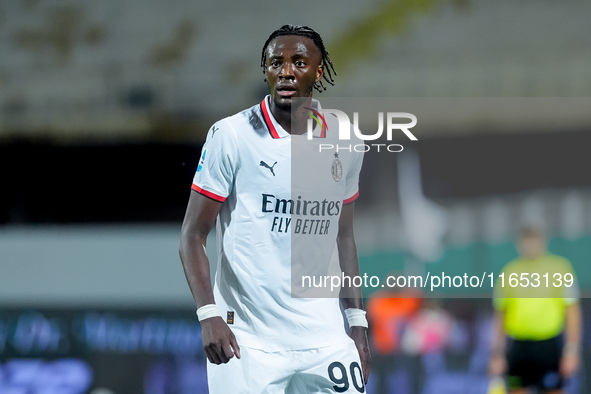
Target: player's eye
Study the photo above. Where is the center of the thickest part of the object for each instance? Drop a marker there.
(275, 63)
(300, 63)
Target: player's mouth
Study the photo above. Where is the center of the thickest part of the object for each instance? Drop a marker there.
(286, 91)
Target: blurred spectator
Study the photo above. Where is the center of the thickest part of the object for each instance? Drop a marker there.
(388, 313)
(428, 330)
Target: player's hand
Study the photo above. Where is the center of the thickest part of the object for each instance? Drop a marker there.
(497, 365)
(569, 364)
(359, 336)
(219, 341)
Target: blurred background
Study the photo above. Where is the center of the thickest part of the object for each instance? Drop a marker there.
(104, 106)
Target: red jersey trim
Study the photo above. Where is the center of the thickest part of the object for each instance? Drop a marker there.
(351, 199)
(208, 194)
(268, 120)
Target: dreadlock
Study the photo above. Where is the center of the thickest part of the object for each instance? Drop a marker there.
(304, 31)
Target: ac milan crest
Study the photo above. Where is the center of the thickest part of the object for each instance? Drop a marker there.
(336, 168)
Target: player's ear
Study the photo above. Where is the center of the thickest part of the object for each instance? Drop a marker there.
(319, 73)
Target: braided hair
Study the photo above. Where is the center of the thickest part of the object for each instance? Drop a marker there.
(304, 31)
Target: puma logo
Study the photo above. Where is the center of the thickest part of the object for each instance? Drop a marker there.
(263, 164)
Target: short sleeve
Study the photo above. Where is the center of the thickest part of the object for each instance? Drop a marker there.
(214, 177)
(499, 297)
(501, 293)
(499, 304)
(572, 292)
(352, 178)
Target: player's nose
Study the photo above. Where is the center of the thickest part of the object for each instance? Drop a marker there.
(286, 71)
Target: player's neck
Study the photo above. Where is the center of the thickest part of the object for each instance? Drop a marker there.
(293, 122)
(533, 257)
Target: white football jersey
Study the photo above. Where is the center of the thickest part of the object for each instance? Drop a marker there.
(282, 201)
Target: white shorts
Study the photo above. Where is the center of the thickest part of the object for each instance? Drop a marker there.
(332, 369)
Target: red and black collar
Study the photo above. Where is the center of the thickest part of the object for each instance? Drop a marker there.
(268, 120)
(273, 128)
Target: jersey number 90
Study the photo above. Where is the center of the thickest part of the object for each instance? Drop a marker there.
(342, 381)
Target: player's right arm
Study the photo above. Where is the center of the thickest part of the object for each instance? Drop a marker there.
(497, 364)
(219, 341)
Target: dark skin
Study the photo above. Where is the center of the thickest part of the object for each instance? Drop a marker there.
(293, 66)
(351, 297)
(219, 342)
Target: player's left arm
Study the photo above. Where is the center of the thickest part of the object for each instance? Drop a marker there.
(351, 296)
(569, 364)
